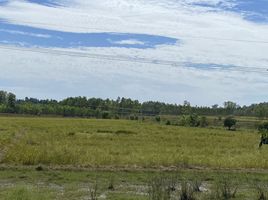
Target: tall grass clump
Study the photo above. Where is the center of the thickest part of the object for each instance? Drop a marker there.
(261, 192)
(161, 188)
(187, 191)
(223, 189)
(94, 191)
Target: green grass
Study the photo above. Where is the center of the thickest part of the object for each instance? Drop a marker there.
(73, 185)
(94, 143)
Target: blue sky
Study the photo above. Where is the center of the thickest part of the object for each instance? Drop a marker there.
(31, 36)
(255, 11)
(164, 50)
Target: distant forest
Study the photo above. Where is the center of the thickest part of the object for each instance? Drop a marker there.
(120, 108)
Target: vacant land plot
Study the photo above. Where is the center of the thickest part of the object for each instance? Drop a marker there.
(58, 158)
(91, 143)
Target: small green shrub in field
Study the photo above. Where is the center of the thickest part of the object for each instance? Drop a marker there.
(157, 118)
(168, 123)
(193, 120)
(105, 115)
(229, 122)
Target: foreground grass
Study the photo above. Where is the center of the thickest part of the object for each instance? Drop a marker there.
(129, 144)
(73, 185)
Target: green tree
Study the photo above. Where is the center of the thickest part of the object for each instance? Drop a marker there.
(3, 97)
(229, 122)
(11, 101)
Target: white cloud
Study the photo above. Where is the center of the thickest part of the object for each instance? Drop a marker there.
(128, 42)
(25, 33)
(193, 25)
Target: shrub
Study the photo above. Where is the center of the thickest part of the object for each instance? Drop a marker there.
(105, 115)
(229, 122)
(116, 117)
(168, 123)
(189, 120)
(157, 118)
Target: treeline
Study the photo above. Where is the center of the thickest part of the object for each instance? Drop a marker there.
(119, 108)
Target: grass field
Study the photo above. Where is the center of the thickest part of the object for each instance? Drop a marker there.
(75, 153)
(73, 185)
(126, 144)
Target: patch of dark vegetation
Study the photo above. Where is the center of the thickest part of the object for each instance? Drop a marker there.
(111, 185)
(193, 120)
(104, 131)
(118, 132)
(133, 117)
(168, 123)
(125, 132)
(187, 191)
(39, 168)
(72, 133)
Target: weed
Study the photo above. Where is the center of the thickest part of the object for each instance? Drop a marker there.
(187, 191)
(224, 190)
(262, 192)
(94, 191)
(160, 188)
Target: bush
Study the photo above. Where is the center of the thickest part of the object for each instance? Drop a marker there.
(193, 121)
(157, 118)
(168, 123)
(229, 122)
(105, 115)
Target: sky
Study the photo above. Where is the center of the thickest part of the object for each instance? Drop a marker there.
(203, 51)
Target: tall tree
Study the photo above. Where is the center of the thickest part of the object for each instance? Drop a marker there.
(11, 100)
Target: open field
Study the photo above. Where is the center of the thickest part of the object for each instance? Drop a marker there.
(93, 143)
(76, 155)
